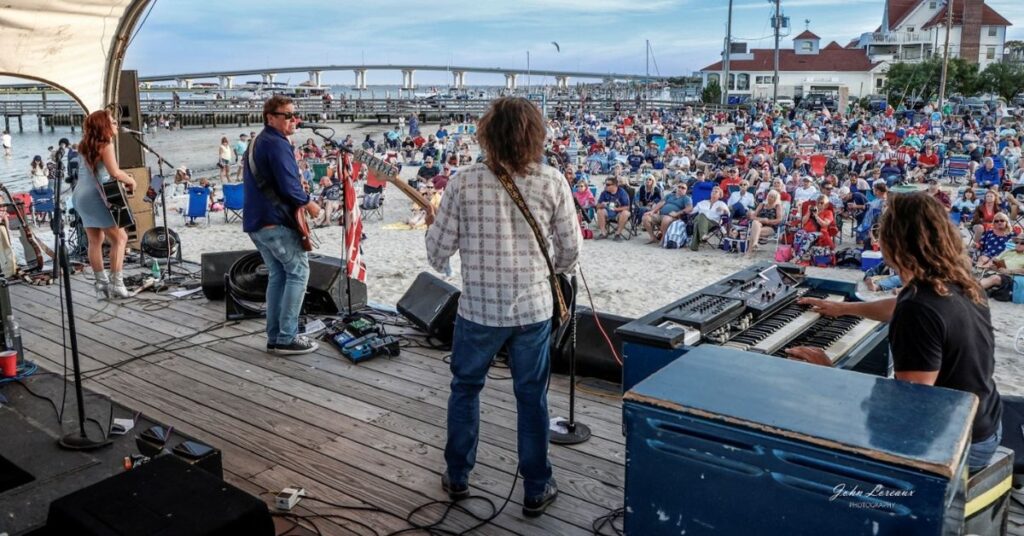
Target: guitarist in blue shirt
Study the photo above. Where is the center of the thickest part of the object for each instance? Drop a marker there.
(273, 195)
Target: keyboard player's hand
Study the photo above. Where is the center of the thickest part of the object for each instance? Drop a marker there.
(809, 354)
(824, 307)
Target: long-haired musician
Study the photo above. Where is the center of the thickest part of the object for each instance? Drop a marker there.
(99, 165)
(506, 298)
(940, 326)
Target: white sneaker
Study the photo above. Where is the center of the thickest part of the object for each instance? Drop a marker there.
(117, 288)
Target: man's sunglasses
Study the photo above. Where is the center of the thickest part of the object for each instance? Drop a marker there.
(288, 116)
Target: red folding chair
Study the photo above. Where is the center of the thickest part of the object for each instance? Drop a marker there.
(818, 163)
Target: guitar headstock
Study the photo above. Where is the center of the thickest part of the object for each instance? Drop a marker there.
(375, 163)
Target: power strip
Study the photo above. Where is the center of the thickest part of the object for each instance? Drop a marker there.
(288, 498)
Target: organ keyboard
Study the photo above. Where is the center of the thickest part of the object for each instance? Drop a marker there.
(755, 310)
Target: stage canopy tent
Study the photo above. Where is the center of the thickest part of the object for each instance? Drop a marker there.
(74, 45)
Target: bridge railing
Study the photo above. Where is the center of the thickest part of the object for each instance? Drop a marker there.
(354, 107)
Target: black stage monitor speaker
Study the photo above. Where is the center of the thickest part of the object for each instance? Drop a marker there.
(431, 304)
(327, 289)
(164, 496)
(129, 152)
(593, 357)
(215, 266)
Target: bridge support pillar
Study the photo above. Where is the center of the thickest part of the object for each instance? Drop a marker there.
(227, 82)
(510, 80)
(185, 83)
(314, 78)
(360, 78)
(459, 79)
(408, 79)
(562, 82)
(268, 78)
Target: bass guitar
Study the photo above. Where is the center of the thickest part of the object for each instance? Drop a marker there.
(33, 252)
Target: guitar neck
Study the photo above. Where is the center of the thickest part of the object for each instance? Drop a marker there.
(389, 173)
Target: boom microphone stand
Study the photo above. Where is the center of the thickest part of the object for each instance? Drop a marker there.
(160, 161)
(76, 440)
(317, 129)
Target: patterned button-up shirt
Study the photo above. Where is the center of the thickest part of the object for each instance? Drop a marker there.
(505, 278)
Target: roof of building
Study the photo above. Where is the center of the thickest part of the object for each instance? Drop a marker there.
(853, 43)
(989, 17)
(807, 34)
(833, 46)
(828, 59)
(897, 10)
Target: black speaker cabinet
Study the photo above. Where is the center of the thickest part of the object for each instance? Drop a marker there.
(215, 267)
(431, 304)
(164, 496)
(129, 152)
(593, 357)
(327, 290)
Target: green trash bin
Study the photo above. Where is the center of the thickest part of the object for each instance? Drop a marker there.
(319, 171)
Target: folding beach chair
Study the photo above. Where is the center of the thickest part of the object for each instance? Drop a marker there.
(234, 200)
(42, 204)
(957, 167)
(198, 205)
(372, 205)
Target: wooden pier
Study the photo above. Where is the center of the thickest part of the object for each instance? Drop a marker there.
(241, 112)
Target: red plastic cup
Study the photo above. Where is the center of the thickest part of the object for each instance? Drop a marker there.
(8, 363)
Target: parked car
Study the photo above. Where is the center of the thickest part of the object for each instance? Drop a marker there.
(785, 102)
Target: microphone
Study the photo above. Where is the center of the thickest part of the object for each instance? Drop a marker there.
(127, 130)
(314, 126)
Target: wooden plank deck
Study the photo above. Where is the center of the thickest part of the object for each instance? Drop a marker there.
(367, 434)
(371, 433)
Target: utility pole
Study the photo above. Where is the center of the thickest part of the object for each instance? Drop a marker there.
(777, 24)
(647, 75)
(945, 53)
(725, 63)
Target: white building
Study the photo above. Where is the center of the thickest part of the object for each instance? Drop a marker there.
(913, 30)
(806, 68)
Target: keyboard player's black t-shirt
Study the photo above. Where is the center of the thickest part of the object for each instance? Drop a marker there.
(951, 335)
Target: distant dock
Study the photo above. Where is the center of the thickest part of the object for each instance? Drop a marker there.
(239, 112)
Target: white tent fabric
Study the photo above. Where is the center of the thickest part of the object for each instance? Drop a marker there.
(74, 45)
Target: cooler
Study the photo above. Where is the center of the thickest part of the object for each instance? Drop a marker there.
(729, 442)
(870, 259)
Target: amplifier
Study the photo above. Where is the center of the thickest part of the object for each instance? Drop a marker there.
(732, 442)
(431, 304)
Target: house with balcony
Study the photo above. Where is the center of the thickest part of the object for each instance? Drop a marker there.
(914, 30)
(806, 68)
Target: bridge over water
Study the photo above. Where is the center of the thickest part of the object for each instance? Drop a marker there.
(226, 78)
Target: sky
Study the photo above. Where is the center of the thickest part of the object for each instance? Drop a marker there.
(593, 35)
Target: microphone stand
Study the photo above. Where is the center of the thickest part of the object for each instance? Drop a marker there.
(160, 161)
(76, 440)
(575, 432)
(58, 213)
(344, 216)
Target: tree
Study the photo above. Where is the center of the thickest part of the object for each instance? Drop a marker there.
(908, 80)
(712, 93)
(1003, 79)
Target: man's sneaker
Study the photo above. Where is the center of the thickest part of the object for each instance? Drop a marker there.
(300, 345)
(535, 506)
(271, 348)
(456, 492)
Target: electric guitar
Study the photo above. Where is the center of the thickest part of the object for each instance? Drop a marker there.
(388, 172)
(306, 236)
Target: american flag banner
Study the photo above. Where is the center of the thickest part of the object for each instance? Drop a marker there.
(353, 231)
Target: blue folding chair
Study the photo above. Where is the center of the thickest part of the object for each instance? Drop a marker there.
(701, 191)
(234, 200)
(198, 204)
(42, 204)
(957, 167)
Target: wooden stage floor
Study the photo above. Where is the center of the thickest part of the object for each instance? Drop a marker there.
(371, 433)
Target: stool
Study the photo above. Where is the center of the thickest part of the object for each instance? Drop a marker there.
(987, 507)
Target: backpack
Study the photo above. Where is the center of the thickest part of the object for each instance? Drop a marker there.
(675, 235)
(371, 201)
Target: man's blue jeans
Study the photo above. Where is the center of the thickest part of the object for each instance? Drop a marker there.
(980, 453)
(288, 268)
(473, 348)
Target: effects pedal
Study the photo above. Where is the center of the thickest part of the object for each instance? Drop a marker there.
(363, 326)
(342, 338)
(387, 345)
(359, 349)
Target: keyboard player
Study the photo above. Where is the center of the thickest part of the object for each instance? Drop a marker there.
(940, 328)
